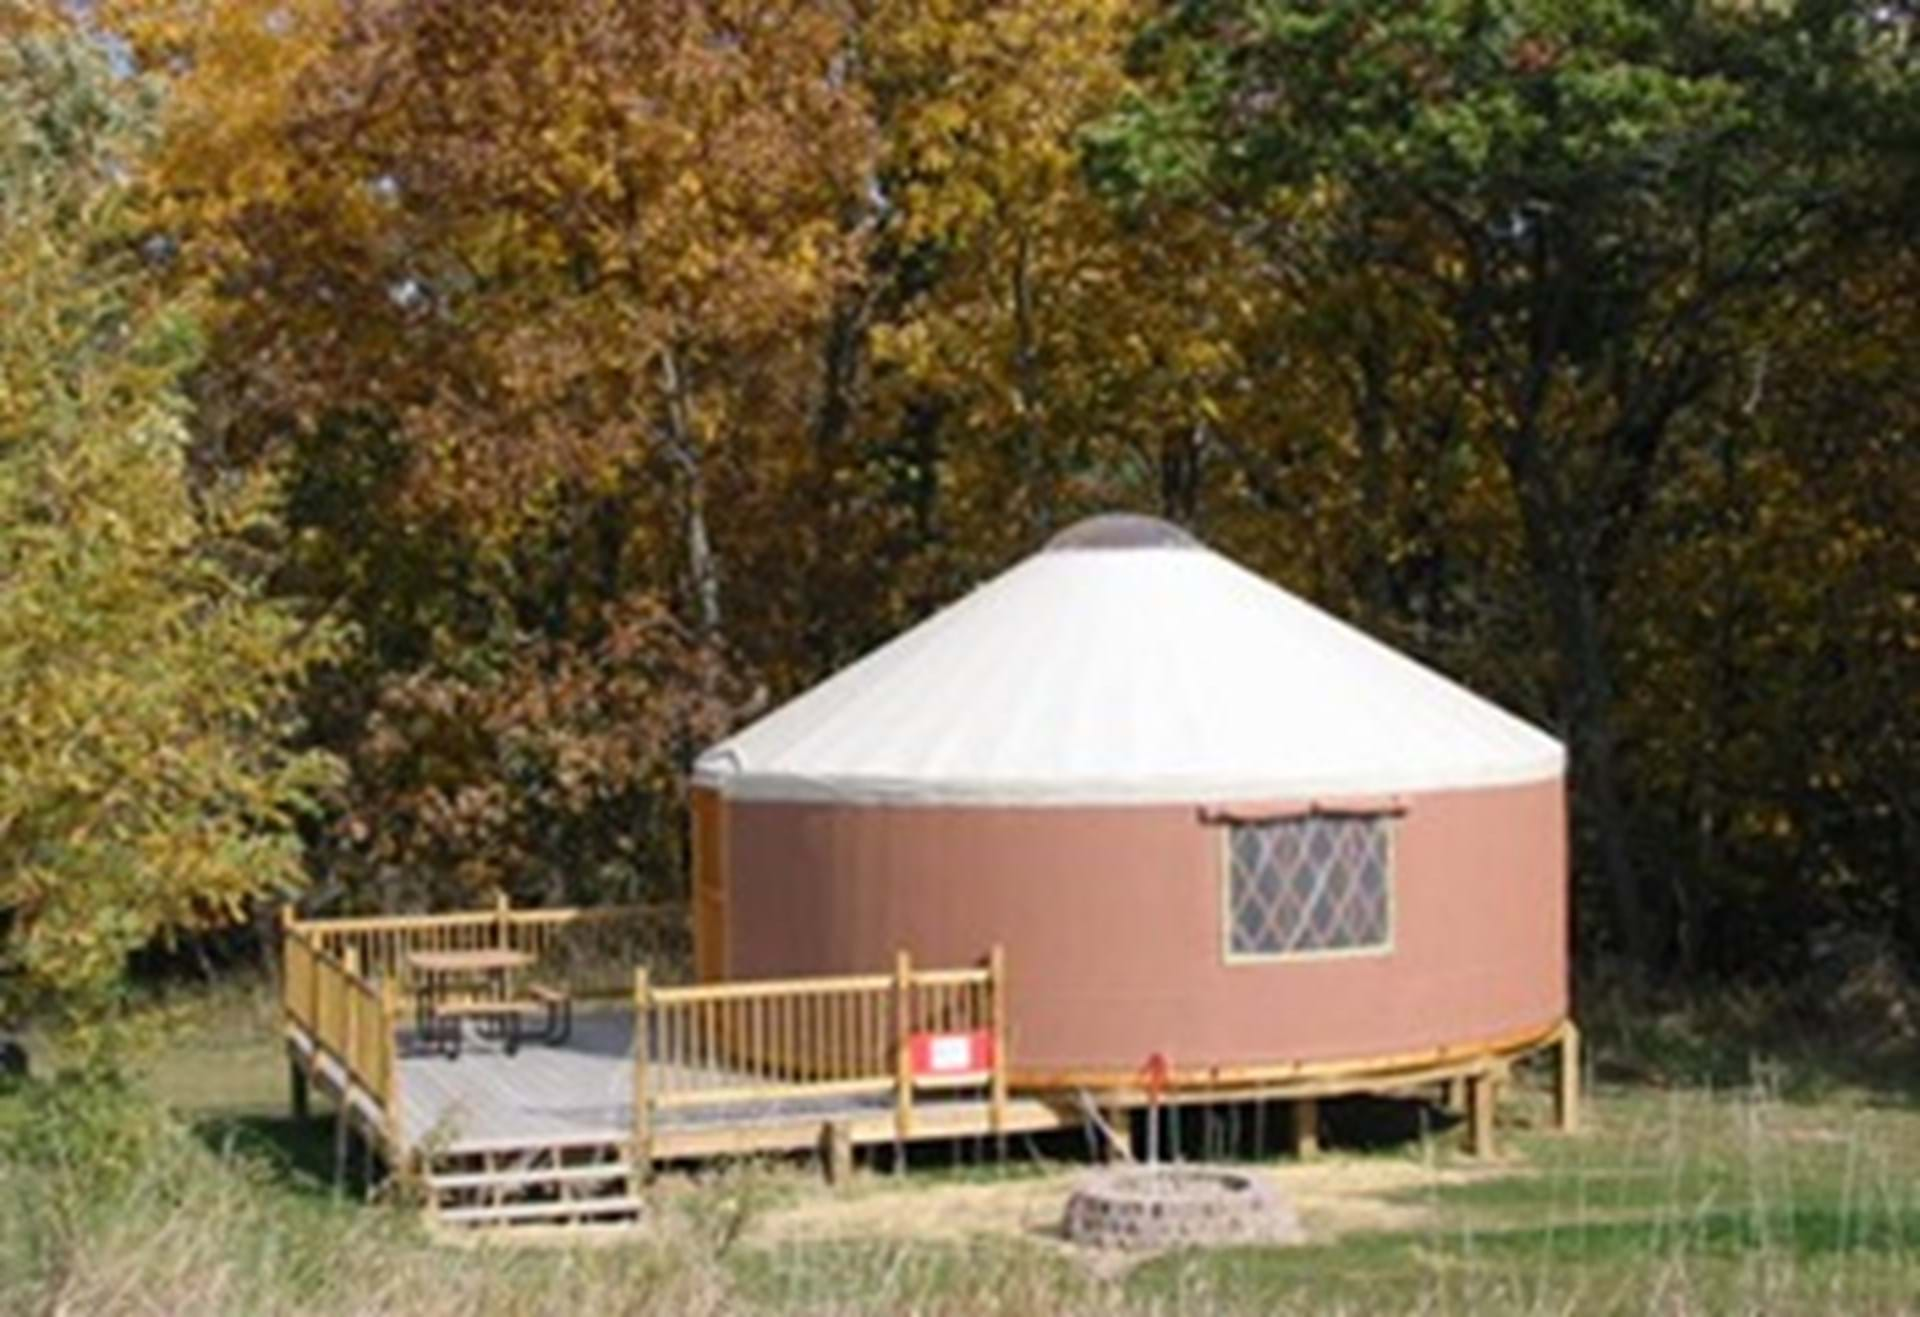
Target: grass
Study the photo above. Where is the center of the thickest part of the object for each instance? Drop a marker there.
(1781, 1194)
(1686, 1200)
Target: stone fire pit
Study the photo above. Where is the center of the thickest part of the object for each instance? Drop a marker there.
(1152, 1207)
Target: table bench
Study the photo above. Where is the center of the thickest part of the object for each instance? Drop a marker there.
(445, 1018)
(505, 1016)
(451, 987)
(558, 1003)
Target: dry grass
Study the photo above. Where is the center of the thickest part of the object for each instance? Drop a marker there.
(1336, 1197)
(1678, 1200)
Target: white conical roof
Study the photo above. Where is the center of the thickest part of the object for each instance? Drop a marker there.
(1128, 664)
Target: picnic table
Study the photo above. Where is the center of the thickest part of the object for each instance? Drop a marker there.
(451, 987)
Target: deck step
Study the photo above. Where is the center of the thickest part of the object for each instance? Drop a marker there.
(522, 1176)
(562, 1209)
(615, 1140)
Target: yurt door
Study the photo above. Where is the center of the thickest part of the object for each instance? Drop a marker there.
(709, 887)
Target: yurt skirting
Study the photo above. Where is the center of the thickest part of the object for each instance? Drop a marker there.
(1209, 824)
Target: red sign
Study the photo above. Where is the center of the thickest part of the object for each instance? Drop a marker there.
(941, 1055)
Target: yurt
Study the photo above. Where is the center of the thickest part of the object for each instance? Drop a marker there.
(1214, 828)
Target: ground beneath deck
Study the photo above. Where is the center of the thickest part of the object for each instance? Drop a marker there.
(579, 1090)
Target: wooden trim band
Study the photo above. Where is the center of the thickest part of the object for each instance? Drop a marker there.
(1325, 807)
(1362, 1070)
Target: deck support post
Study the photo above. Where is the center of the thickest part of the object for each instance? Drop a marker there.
(642, 1154)
(1306, 1127)
(1482, 1089)
(297, 1092)
(836, 1153)
(1566, 1095)
(1453, 1095)
(340, 1134)
(1119, 1131)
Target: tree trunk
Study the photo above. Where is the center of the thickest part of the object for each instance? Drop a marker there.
(841, 367)
(703, 568)
(1371, 404)
(1180, 455)
(1586, 687)
(1036, 457)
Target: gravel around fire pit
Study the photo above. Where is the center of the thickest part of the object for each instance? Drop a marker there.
(1151, 1207)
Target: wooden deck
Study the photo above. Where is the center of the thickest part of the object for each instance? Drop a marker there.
(567, 1133)
(540, 1094)
(583, 1090)
(580, 1093)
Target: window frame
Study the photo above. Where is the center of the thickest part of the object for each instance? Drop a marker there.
(1386, 819)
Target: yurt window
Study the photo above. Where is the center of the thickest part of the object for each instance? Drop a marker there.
(1318, 885)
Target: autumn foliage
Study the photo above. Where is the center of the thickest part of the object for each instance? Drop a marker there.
(151, 773)
(615, 369)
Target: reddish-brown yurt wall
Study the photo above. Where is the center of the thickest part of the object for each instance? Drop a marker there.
(709, 886)
(1112, 922)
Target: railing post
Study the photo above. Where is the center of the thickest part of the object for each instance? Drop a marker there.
(502, 917)
(350, 1017)
(390, 1099)
(286, 980)
(902, 1046)
(642, 1094)
(997, 1004)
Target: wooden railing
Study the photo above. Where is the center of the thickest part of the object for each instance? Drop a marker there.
(348, 1018)
(728, 1042)
(773, 1042)
(897, 1037)
(592, 950)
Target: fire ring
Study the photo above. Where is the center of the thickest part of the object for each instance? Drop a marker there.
(1153, 1207)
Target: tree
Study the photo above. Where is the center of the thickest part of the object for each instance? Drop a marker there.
(147, 779)
(1035, 356)
(624, 358)
(527, 300)
(1592, 207)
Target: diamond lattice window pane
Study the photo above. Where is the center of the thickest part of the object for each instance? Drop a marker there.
(1310, 884)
